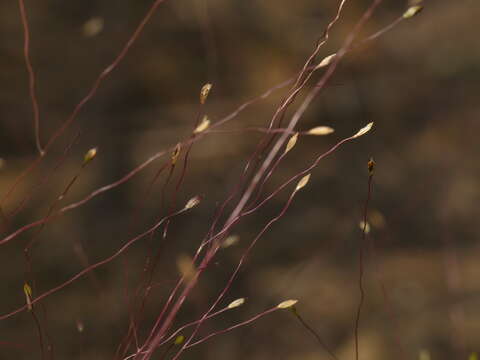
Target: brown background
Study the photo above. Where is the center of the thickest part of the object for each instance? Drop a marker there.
(418, 83)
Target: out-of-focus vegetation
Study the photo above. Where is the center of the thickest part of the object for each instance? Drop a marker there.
(418, 83)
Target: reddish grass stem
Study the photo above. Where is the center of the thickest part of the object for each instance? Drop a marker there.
(31, 76)
(255, 175)
(143, 165)
(93, 90)
(237, 269)
(371, 164)
(93, 266)
(243, 323)
(313, 332)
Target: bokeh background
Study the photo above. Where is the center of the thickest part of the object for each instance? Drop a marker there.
(418, 83)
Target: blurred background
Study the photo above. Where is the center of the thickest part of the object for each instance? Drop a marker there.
(418, 83)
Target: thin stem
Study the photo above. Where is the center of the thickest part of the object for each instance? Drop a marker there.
(92, 267)
(31, 75)
(243, 323)
(237, 269)
(93, 90)
(39, 331)
(361, 265)
(314, 333)
(176, 332)
(143, 165)
(227, 118)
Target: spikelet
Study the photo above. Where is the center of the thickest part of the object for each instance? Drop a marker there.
(287, 304)
(364, 227)
(175, 153)
(320, 130)
(204, 93)
(236, 303)
(303, 181)
(28, 295)
(291, 143)
(230, 240)
(363, 130)
(371, 166)
(93, 27)
(193, 202)
(179, 340)
(185, 266)
(90, 155)
(204, 124)
(412, 11)
(326, 61)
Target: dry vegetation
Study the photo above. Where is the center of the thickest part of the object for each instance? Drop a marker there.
(173, 171)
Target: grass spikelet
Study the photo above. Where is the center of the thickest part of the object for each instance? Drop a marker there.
(93, 27)
(175, 154)
(371, 166)
(185, 266)
(412, 11)
(204, 124)
(179, 340)
(192, 202)
(363, 130)
(303, 181)
(28, 295)
(326, 61)
(320, 130)
(230, 241)
(364, 226)
(204, 93)
(287, 304)
(291, 143)
(90, 155)
(236, 303)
